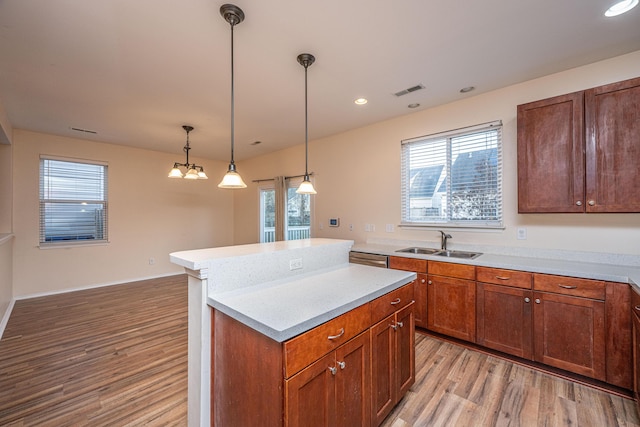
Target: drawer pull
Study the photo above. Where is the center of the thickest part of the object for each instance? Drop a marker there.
(637, 307)
(400, 324)
(335, 337)
(394, 327)
(395, 301)
(568, 287)
(342, 365)
(502, 278)
(537, 300)
(527, 299)
(333, 370)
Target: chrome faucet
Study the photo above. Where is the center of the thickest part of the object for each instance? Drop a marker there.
(443, 240)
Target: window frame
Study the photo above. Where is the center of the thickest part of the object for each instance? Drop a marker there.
(43, 200)
(423, 141)
(292, 183)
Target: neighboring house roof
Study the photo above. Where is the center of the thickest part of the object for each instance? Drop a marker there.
(424, 180)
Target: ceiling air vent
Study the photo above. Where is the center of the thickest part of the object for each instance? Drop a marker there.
(409, 90)
(83, 130)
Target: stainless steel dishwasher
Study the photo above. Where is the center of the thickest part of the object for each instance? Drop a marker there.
(373, 260)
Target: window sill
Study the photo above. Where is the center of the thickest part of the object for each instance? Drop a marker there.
(68, 245)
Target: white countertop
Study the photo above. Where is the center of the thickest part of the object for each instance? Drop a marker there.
(588, 270)
(285, 308)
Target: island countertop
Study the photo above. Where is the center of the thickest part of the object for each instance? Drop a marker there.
(282, 309)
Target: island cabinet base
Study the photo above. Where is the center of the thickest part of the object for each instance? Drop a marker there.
(327, 376)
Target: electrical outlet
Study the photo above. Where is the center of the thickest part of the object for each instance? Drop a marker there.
(295, 264)
(350, 227)
(367, 227)
(521, 233)
(152, 261)
(389, 228)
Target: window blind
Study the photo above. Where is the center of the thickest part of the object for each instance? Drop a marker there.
(453, 178)
(73, 202)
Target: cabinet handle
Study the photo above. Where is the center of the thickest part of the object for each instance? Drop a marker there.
(567, 287)
(579, 203)
(335, 337)
(637, 307)
(400, 324)
(342, 365)
(527, 299)
(395, 301)
(537, 300)
(333, 370)
(394, 327)
(503, 278)
(592, 202)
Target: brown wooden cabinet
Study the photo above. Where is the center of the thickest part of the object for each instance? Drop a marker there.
(583, 147)
(418, 266)
(569, 329)
(393, 366)
(635, 317)
(451, 300)
(335, 390)
(504, 311)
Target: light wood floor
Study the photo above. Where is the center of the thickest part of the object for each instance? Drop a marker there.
(117, 356)
(112, 356)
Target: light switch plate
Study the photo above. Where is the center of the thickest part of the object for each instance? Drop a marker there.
(521, 233)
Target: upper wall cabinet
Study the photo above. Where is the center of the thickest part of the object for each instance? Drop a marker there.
(580, 152)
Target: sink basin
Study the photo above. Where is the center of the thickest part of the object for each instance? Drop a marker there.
(422, 251)
(458, 254)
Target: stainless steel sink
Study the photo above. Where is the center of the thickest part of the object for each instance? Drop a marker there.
(421, 251)
(459, 254)
(438, 252)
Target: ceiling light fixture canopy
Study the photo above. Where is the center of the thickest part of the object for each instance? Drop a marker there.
(306, 59)
(232, 179)
(621, 7)
(193, 171)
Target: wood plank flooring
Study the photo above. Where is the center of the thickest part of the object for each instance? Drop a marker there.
(456, 386)
(117, 356)
(111, 356)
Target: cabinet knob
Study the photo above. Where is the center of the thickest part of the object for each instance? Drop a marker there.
(579, 203)
(342, 365)
(527, 299)
(333, 370)
(592, 202)
(423, 281)
(537, 300)
(430, 282)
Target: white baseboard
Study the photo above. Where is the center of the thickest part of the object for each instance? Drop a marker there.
(5, 317)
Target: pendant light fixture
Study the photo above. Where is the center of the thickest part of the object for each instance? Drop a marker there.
(306, 59)
(193, 171)
(232, 179)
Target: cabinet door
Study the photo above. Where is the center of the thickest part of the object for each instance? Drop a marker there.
(382, 368)
(451, 307)
(420, 295)
(353, 382)
(310, 398)
(636, 358)
(505, 319)
(612, 151)
(550, 155)
(405, 350)
(569, 333)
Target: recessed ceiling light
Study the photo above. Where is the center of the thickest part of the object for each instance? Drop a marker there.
(256, 143)
(361, 101)
(467, 89)
(414, 105)
(621, 7)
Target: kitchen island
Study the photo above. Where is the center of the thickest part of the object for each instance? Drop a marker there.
(275, 292)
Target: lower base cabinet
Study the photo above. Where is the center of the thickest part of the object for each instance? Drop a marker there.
(334, 391)
(635, 321)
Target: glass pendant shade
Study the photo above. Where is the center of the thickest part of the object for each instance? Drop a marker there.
(175, 173)
(306, 187)
(191, 174)
(232, 179)
(202, 175)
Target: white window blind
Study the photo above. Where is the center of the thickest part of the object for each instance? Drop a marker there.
(453, 178)
(73, 202)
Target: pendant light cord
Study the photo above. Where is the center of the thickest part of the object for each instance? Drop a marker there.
(306, 128)
(232, 98)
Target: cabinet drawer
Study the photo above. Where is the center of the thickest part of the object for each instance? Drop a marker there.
(393, 301)
(584, 288)
(408, 264)
(497, 276)
(635, 301)
(308, 347)
(461, 271)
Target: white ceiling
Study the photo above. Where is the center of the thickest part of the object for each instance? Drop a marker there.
(135, 71)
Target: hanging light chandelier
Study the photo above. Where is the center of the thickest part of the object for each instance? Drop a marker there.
(306, 187)
(193, 171)
(232, 179)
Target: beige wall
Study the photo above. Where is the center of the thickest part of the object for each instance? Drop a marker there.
(358, 173)
(150, 216)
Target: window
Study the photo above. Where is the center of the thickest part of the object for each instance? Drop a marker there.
(296, 216)
(73, 202)
(454, 178)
